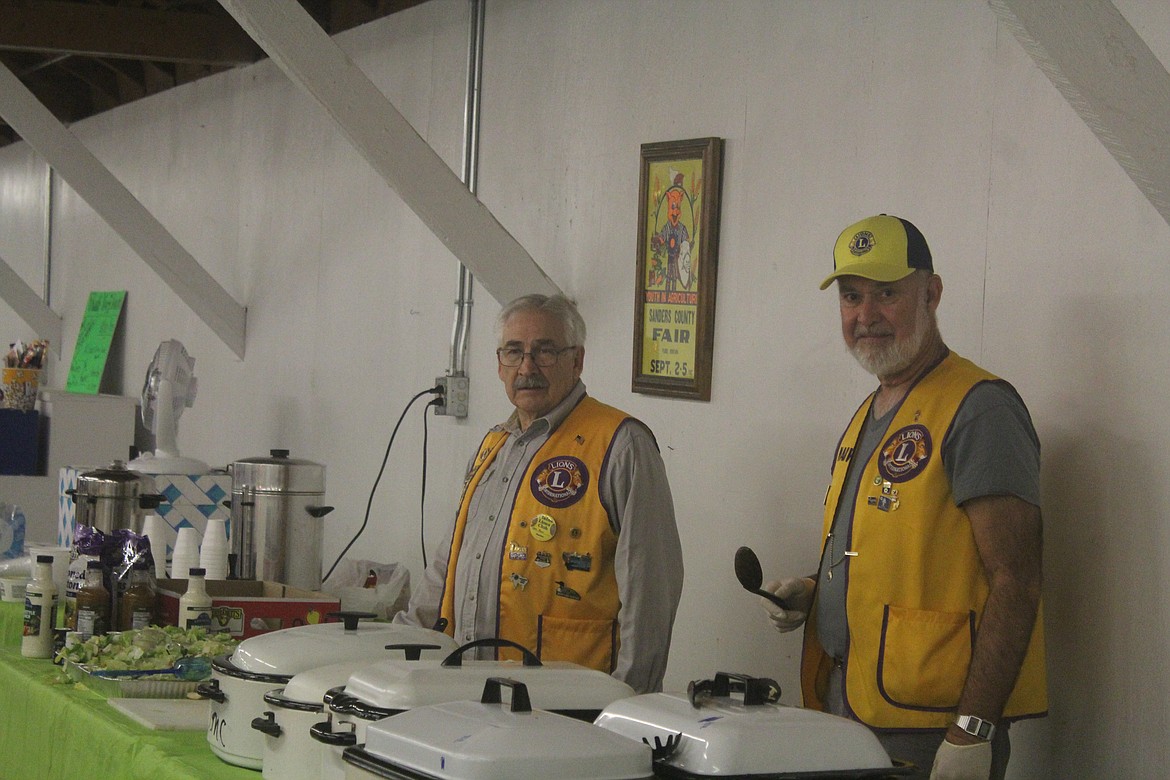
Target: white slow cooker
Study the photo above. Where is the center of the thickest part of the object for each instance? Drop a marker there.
(485, 739)
(290, 712)
(734, 726)
(259, 664)
(388, 688)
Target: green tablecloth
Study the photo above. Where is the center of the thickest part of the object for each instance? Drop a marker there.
(52, 729)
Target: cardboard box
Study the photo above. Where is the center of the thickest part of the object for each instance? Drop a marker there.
(246, 608)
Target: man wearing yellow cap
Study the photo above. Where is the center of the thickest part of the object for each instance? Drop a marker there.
(924, 619)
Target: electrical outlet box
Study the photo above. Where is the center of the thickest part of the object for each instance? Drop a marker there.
(456, 390)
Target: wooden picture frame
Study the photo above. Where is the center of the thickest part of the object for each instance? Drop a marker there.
(678, 243)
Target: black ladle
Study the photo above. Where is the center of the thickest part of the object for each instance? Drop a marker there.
(751, 576)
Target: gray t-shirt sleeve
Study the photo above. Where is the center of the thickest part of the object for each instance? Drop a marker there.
(992, 448)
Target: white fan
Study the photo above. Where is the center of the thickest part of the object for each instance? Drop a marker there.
(169, 389)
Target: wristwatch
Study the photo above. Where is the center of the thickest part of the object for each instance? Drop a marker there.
(976, 727)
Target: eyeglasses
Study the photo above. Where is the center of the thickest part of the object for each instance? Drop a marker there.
(543, 357)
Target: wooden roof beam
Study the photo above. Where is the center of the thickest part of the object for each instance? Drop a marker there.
(49, 26)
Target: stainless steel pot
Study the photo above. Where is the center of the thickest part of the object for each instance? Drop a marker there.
(114, 497)
(276, 519)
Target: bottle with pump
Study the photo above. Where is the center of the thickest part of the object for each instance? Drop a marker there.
(195, 604)
(136, 608)
(93, 603)
(40, 611)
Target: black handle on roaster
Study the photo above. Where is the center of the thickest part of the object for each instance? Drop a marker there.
(210, 690)
(413, 651)
(323, 732)
(756, 690)
(351, 618)
(347, 704)
(662, 750)
(491, 693)
(267, 724)
(456, 657)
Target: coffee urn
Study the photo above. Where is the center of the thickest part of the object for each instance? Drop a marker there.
(276, 519)
(114, 497)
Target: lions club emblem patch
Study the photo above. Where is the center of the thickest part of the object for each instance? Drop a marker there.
(905, 453)
(560, 482)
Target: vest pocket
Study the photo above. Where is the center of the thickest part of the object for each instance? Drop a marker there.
(924, 656)
(591, 643)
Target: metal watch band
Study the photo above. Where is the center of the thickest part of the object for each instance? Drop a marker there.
(976, 727)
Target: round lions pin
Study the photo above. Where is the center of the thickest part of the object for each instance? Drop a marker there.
(543, 528)
(905, 453)
(560, 482)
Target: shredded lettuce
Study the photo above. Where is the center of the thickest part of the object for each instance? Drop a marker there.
(153, 647)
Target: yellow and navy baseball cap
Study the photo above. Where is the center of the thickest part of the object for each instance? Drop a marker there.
(882, 248)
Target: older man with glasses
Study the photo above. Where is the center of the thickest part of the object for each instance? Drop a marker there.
(565, 541)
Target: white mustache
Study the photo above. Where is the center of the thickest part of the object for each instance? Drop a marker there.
(532, 382)
(862, 331)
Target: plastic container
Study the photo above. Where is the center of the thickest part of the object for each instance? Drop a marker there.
(12, 588)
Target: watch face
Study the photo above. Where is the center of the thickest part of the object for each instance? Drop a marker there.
(976, 727)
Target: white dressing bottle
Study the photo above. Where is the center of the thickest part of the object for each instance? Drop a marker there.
(195, 604)
(40, 611)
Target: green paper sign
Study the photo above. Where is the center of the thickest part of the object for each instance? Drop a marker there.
(93, 341)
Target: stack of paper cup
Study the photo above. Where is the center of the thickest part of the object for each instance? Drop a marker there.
(185, 556)
(154, 528)
(213, 555)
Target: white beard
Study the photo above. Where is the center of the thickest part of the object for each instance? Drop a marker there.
(892, 358)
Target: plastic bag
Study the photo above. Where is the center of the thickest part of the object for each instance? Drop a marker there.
(11, 531)
(369, 586)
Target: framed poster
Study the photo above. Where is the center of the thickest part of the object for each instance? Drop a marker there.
(678, 243)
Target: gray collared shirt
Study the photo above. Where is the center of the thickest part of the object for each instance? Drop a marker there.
(635, 493)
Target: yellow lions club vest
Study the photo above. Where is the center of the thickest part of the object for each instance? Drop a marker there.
(558, 592)
(916, 587)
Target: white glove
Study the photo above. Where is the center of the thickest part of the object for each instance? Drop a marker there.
(797, 593)
(962, 762)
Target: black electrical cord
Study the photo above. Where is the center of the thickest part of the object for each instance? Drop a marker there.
(422, 516)
(378, 479)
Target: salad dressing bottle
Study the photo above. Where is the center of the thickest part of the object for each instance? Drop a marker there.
(195, 604)
(136, 607)
(93, 603)
(40, 611)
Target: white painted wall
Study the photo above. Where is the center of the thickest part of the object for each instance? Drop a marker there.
(1052, 262)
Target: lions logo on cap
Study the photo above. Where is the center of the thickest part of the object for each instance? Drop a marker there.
(905, 453)
(560, 482)
(861, 243)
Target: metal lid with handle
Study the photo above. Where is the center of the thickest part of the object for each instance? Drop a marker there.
(277, 473)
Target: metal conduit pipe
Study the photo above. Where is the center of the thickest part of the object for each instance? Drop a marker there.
(462, 325)
(47, 257)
